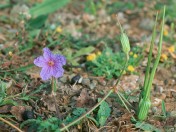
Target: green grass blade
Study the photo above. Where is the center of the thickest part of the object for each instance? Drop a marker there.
(148, 89)
(145, 103)
(47, 7)
(146, 81)
(163, 108)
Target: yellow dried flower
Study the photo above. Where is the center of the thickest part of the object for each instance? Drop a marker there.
(59, 29)
(98, 53)
(171, 49)
(165, 33)
(135, 56)
(124, 72)
(131, 53)
(91, 57)
(10, 53)
(130, 68)
(163, 57)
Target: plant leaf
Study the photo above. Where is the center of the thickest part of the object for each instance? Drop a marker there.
(47, 7)
(103, 113)
(163, 108)
(146, 127)
(38, 22)
(75, 114)
(84, 51)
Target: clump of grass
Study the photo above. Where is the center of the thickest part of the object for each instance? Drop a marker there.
(144, 102)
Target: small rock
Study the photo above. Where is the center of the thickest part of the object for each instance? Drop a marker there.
(88, 17)
(174, 94)
(129, 83)
(18, 111)
(171, 130)
(163, 96)
(76, 79)
(158, 89)
(154, 109)
(60, 84)
(102, 82)
(173, 113)
(28, 115)
(121, 17)
(146, 21)
(168, 93)
(63, 79)
(93, 84)
(156, 102)
(175, 125)
(52, 26)
(117, 112)
(86, 81)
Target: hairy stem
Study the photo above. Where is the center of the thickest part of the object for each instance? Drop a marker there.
(54, 97)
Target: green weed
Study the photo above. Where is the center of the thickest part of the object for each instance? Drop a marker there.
(40, 125)
(103, 113)
(3, 95)
(110, 64)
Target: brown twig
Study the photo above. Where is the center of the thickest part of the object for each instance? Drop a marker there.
(10, 124)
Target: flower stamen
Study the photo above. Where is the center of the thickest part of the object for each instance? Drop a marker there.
(50, 63)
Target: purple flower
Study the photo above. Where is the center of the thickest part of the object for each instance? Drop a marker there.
(51, 64)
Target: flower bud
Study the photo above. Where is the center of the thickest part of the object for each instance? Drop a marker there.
(125, 43)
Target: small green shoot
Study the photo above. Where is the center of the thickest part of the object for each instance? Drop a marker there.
(91, 7)
(39, 125)
(146, 127)
(103, 113)
(75, 114)
(3, 95)
(163, 109)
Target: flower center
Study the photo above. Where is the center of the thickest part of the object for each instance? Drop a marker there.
(50, 63)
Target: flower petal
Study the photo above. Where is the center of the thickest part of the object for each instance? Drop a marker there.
(57, 71)
(45, 73)
(60, 59)
(48, 55)
(40, 61)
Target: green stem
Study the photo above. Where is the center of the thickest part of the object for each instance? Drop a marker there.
(120, 96)
(87, 113)
(53, 81)
(125, 100)
(121, 73)
(146, 81)
(121, 29)
(147, 94)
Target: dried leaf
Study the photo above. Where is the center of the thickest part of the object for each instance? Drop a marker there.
(84, 99)
(17, 111)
